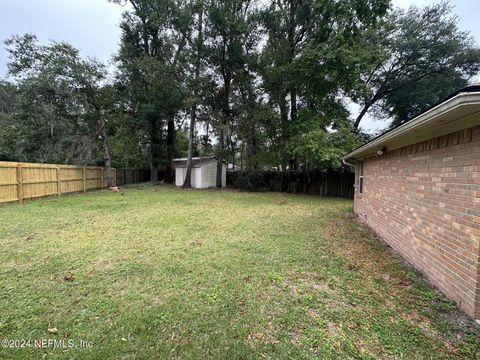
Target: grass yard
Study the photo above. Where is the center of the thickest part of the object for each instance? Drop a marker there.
(155, 272)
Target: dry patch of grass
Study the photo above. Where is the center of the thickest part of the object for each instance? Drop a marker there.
(156, 272)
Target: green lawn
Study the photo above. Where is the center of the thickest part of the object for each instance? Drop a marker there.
(154, 272)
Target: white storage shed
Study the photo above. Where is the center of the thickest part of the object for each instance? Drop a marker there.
(204, 172)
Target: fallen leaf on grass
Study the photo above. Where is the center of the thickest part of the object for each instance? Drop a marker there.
(53, 330)
(352, 266)
(69, 277)
(358, 346)
(262, 338)
(333, 329)
(404, 281)
(451, 348)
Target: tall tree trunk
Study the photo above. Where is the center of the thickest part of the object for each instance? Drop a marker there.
(154, 172)
(154, 149)
(188, 177)
(187, 184)
(220, 156)
(170, 151)
(293, 103)
(106, 154)
(284, 116)
(225, 109)
(292, 45)
(206, 139)
(252, 145)
(284, 121)
(232, 146)
(292, 87)
(241, 157)
(225, 116)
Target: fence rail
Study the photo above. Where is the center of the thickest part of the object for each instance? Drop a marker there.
(21, 181)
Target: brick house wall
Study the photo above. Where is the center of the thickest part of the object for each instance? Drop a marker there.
(424, 201)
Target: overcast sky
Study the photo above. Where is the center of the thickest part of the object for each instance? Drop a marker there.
(92, 25)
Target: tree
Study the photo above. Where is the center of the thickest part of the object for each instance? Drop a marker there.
(151, 72)
(63, 94)
(230, 36)
(312, 58)
(263, 84)
(322, 149)
(287, 24)
(10, 136)
(420, 57)
(198, 50)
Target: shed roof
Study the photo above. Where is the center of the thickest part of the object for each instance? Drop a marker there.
(460, 110)
(196, 161)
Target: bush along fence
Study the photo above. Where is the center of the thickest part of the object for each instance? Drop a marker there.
(338, 184)
(21, 181)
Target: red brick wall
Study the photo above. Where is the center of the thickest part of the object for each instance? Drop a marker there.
(424, 201)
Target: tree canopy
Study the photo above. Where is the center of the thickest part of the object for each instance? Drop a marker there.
(420, 57)
(258, 84)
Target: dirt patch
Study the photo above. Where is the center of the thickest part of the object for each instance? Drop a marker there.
(261, 338)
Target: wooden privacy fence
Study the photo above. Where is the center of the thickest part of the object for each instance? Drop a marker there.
(131, 176)
(21, 181)
(338, 184)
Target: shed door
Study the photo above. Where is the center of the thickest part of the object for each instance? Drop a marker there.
(179, 176)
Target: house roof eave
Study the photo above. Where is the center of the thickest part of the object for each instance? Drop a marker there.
(457, 112)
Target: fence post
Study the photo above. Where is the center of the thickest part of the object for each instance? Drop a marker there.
(19, 183)
(84, 179)
(102, 184)
(59, 191)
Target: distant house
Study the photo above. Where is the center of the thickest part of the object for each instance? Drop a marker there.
(204, 172)
(418, 187)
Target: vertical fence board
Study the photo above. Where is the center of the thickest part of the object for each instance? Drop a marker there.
(19, 183)
(84, 179)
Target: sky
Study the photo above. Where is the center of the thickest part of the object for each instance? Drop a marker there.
(92, 27)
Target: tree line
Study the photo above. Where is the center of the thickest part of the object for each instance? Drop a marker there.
(260, 84)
